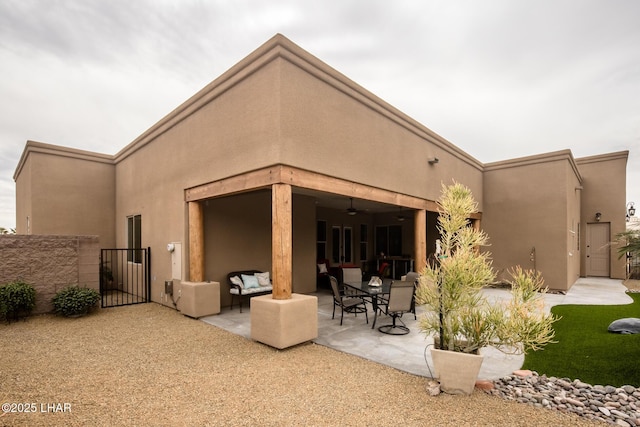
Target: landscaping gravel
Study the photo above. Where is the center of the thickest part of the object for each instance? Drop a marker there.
(149, 365)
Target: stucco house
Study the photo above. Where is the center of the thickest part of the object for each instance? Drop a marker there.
(261, 168)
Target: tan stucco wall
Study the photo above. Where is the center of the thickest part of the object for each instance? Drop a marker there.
(234, 134)
(604, 182)
(532, 203)
(65, 191)
(265, 112)
(238, 237)
(333, 126)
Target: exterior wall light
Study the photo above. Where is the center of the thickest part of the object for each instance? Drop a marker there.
(433, 160)
(598, 216)
(631, 210)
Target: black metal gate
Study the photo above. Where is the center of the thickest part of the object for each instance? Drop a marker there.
(125, 276)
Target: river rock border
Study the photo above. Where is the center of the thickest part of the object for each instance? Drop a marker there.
(615, 405)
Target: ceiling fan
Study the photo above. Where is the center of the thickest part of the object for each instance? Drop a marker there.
(351, 210)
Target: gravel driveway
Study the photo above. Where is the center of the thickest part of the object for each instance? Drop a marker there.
(148, 365)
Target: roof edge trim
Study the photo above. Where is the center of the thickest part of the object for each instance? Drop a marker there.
(553, 156)
(281, 47)
(58, 150)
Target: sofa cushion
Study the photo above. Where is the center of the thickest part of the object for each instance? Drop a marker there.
(245, 291)
(250, 281)
(237, 281)
(263, 279)
(322, 268)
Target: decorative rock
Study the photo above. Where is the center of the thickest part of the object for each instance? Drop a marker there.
(574, 402)
(433, 387)
(580, 384)
(628, 325)
(485, 385)
(564, 384)
(603, 403)
(522, 373)
(598, 389)
(619, 414)
(604, 410)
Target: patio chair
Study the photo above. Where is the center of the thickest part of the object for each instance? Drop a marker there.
(351, 274)
(400, 301)
(384, 270)
(350, 304)
(413, 277)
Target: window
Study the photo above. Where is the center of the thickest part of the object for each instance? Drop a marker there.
(364, 241)
(134, 239)
(389, 240)
(347, 244)
(321, 240)
(335, 244)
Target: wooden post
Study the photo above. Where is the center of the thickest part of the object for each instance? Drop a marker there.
(196, 242)
(420, 239)
(281, 239)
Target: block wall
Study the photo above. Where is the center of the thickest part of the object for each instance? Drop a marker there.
(49, 263)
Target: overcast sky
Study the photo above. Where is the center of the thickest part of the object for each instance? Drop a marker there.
(498, 78)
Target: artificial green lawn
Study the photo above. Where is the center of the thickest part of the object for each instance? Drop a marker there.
(586, 351)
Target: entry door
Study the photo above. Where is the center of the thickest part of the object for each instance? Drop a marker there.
(598, 250)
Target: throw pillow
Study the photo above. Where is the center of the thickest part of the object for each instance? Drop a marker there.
(250, 281)
(263, 278)
(323, 268)
(236, 281)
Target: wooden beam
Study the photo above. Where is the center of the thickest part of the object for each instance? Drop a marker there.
(329, 184)
(281, 241)
(196, 242)
(420, 239)
(262, 178)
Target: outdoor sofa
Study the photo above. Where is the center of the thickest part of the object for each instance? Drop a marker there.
(248, 283)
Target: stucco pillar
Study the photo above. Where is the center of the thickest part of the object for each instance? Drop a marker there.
(420, 239)
(281, 239)
(196, 242)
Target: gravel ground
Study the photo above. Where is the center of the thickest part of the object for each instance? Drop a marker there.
(149, 365)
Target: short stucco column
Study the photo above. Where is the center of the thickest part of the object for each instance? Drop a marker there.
(283, 319)
(198, 299)
(283, 323)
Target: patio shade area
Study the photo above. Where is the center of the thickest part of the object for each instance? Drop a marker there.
(407, 352)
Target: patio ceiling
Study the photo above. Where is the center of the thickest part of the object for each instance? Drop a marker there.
(342, 203)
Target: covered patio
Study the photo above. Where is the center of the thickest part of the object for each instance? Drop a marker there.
(407, 352)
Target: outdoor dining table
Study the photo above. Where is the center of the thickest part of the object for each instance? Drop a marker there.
(375, 293)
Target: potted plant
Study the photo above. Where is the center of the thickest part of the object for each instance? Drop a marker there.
(74, 301)
(458, 315)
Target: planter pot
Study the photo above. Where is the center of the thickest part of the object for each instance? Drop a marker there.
(457, 372)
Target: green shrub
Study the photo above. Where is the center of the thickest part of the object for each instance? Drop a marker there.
(17, 299)
(75, 301)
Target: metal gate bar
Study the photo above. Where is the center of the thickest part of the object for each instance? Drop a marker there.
(124, 277)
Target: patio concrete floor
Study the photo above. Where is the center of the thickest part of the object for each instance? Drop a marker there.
(409, 352)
